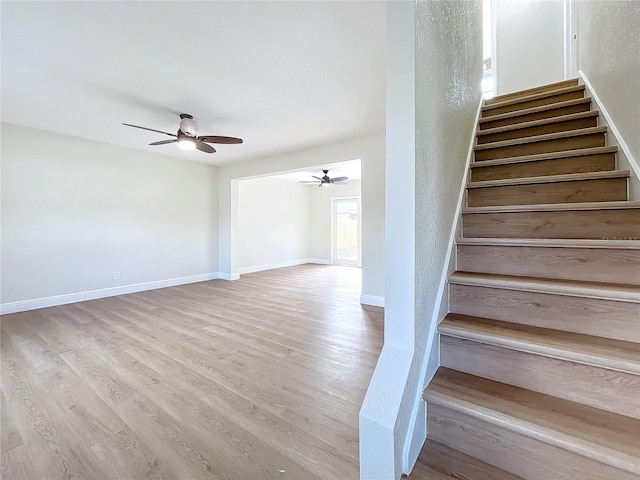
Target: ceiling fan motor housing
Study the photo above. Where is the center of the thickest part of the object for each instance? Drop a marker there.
(188, 125)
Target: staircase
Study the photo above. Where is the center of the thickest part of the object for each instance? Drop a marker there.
(539, 373)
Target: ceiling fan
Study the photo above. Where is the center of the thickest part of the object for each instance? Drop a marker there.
(187, 137)
(326, 180)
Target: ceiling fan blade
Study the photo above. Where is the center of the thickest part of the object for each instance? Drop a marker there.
(340, 183)
(339, 179)
(309, 182)
(317, 177)
(162, 142)
(218, 139)
(203, 147)
(150, 129)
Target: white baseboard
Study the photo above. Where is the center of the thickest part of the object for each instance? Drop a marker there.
(25, 305)
(319, 261)
(372, 300)
(229, 276)
(271, 266)
(290, 263)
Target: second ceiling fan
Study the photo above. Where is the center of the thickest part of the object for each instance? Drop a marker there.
(326, 180)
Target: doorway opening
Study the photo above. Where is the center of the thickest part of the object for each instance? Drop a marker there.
(488, 49)
(346, 229)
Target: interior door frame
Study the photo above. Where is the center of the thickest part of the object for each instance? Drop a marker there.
(334, 219)
(570, 11)
(494, 45)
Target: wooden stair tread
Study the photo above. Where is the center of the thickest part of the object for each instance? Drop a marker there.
(528, 98)
(598, 290)
(568, 177)
(537, 123)
(622, 205)
(540, 138)
(596, 351)
(541, 108)
(531, 91)
(545, 156)
(551, 242)
(437, 461)
(606, 437)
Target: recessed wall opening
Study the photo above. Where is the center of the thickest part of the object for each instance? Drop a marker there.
(292, 218)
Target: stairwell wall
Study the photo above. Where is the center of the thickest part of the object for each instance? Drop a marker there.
(608, 46)
(434, 70)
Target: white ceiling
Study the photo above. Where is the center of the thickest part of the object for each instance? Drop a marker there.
(282, 75)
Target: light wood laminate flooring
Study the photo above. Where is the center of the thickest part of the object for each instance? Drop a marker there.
(260, 378)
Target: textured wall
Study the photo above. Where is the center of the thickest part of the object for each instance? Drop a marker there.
(529, 43)
(76, 211)
(448, 76)
(609, 55)
(433, 93)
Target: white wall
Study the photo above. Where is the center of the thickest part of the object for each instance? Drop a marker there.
(434, 70)
(370, 150)
(320, 216)
(273, 223)
(529, 44)
(608, 55)
(76, 211)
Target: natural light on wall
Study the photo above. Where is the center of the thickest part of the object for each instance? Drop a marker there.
(488, 73)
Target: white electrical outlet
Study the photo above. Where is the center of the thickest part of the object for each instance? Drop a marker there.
(116, 275)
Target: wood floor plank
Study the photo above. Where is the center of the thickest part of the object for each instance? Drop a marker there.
(438, 459)
(257, 378)
(60, 453)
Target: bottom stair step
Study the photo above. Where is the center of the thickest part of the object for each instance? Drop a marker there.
(532, 435)
(593, 371)
(439, 462)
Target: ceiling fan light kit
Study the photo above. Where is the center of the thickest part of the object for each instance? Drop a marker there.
(187, 136)
(186, 144)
